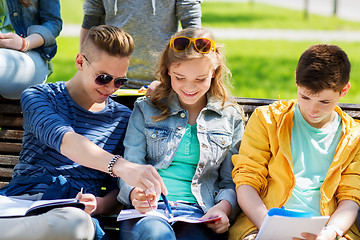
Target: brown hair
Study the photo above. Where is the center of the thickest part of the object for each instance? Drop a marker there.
(110, 39)
(323, 66)
(170, 56)
(26, 3)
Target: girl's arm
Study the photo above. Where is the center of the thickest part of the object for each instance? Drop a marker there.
(223, 210)
(251, 204)
(14, 41)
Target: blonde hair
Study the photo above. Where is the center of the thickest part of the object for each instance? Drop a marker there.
(170, 56)
(110, 39)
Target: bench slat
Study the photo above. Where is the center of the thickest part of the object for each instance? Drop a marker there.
(10, 108)
(6, 147)
(9, 160)
(6, 122)
(6, 172)
(11, 135)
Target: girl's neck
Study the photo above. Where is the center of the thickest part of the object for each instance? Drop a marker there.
(194, 109)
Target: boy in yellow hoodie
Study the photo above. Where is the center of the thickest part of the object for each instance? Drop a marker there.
(303, 154)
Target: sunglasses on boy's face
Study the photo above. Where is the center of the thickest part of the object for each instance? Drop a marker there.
(202, 45)
(103, 79)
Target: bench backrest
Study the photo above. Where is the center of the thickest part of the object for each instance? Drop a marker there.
(11, 130)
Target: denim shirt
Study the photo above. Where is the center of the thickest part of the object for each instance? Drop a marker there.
(43, 18)
(219, 131)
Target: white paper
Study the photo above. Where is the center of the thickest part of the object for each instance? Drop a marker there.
(132, 213)
(11, 207)
(285, 228)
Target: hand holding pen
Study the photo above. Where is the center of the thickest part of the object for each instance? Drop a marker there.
(143, 202)
(89, 200)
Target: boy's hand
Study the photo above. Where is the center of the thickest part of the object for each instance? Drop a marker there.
(89, 200)
(141, 202)
(219, 226)
(141, 176)
(326, 234)
(252, 235)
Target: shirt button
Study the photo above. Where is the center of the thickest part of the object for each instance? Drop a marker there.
(15, 14)
(182, 115)
(153, 135)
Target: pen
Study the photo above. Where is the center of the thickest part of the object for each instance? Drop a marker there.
(167, 205)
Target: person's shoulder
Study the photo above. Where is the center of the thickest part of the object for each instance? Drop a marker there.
(45, 90)
(143, 102)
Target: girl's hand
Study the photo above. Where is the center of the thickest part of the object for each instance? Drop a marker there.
(89, 200)
(219, 226)
(10, 41)
(141, 202)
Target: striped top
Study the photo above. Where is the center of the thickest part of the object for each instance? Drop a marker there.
(49, 112)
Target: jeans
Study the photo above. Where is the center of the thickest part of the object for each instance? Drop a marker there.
(153, 227)
(19, 71)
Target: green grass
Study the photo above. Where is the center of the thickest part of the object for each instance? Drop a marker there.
(239, 15)
(71, 11)
(263, 69)
(245, 15)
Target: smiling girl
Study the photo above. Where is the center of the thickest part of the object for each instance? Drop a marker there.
(188, 130)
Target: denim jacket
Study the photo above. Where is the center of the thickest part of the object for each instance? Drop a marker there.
(42, 18)
(219, 131)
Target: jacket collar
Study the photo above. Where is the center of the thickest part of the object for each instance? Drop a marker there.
(213, 104)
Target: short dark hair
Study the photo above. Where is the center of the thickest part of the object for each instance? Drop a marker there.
(110, 39)
(323, 66)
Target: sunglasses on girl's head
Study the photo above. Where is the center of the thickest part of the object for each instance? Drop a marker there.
(103, 79)
(202, 45)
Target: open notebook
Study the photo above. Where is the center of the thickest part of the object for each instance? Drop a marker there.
(132, 213)
(13, 207)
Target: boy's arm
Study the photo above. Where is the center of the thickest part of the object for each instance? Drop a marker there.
(251, 204)
(344, 216)
(82, 151)
(340, 222)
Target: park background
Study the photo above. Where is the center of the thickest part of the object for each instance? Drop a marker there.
(262, 64)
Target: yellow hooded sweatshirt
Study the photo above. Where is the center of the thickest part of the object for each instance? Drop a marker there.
(264, 162)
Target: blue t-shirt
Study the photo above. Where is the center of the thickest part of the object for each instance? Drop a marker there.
(312, 152)
(49, 112)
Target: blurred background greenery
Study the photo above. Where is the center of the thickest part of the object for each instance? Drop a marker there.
(260, 68)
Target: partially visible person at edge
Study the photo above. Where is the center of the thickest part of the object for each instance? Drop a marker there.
(28, 29)
(188, 130)
(303, 154)
(73, 134)
(150, 22)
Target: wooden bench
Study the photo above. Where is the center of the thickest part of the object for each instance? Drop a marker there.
(11, 132)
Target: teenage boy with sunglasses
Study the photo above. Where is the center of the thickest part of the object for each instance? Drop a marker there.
(72, 132)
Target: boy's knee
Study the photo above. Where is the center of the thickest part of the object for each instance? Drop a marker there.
(70, 223)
